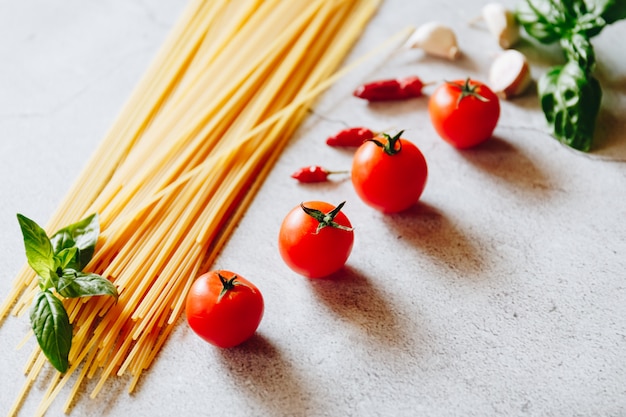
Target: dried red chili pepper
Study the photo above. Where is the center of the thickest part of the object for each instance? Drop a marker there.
(389, 90)
(314, 173)
(354, 136)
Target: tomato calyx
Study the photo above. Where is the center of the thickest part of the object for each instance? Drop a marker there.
(393, 144)
(326, 219)
(467, 90)
(227, 285)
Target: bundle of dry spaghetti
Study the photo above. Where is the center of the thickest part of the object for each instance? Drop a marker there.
(179, 166)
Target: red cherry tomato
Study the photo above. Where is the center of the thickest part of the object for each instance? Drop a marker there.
(223, 308)
(389, 174)
(315, 239)
(464, 113)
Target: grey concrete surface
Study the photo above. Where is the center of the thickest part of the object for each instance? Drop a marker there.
(501, 294)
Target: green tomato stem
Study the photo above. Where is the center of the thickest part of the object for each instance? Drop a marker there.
(467, 90)
(228, 285)
(326, 219)
(393, 145)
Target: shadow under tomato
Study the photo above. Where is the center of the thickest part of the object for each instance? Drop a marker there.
(432, 233)
(507, 165)
(352, 297)
(258, 370)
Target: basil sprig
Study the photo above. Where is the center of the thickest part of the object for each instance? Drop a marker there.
(570, 100)
(58, 261)
(570, 95)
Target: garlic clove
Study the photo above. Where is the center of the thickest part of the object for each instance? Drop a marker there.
(509, 74)
(435, 39)
(502, 24)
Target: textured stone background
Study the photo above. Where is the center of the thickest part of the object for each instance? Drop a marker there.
(500, 294)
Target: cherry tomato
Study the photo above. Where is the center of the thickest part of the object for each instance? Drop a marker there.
(223, 308)
(389, 173)
(315, 239)
(464, 113)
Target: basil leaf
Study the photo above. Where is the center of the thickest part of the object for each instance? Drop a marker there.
(74, 284)
(83, 235)
(550, 21)
(578, 48)
(39, 252)
(52, 328)
(570, 99)
(611, 10)
(541, 20)
(65, 257)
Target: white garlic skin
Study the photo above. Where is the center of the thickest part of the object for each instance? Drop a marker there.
(509, 74)
(502, 24)
(435, 39)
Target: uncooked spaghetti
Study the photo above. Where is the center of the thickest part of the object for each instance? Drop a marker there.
(179, 166)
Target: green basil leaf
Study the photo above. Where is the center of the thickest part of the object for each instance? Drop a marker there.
(83, 235)
(74, 284)
(66, 257)
(545, 20)
(550, 21)
(570, 99)
(39, 251)
(583, 16)
(610, 10)
(578, 48)
(52, 329)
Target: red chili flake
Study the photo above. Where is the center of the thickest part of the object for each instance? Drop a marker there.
(354, 136)
(389, 90)
(314, 173)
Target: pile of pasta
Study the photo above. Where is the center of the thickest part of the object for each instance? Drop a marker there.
(180, 164)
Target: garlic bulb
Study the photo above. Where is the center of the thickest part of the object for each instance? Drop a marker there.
(501, 23)
(435, 39)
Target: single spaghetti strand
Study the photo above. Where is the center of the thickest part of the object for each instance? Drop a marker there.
(79, 380)
(32, 374)
(19, 285)
(47, 396)
(26, 298)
